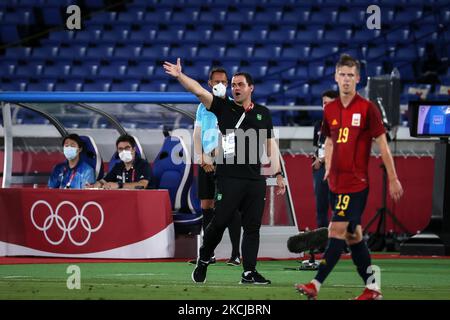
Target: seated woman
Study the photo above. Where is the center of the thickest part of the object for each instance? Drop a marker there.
(73, 173)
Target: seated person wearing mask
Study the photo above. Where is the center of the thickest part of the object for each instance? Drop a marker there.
(132, 172)
(73, 173)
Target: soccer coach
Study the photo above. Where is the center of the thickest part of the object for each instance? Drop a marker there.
(240, 185)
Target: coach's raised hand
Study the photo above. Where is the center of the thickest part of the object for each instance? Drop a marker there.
(189, 84)
(173, 69)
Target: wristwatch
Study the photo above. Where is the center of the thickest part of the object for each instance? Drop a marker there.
(120, 183)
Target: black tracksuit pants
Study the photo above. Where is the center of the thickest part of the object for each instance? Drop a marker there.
(235, 195)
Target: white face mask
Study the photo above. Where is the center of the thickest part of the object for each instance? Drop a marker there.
(70, 153)
(126, 156)
(219, 90)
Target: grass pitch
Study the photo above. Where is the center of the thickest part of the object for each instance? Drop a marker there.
(400, 279)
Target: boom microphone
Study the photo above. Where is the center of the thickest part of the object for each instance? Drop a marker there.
(310, 240)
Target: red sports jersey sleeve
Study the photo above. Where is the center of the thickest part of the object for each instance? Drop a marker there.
(376, 126)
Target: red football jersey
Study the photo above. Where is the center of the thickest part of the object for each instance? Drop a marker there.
(351, 130)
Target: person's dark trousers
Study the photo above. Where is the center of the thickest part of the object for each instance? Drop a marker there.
(234, 230)
(208, 214)
(233, 194)
(321, 192)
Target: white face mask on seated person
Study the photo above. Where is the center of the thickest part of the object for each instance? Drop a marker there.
(70, 152)
(125, 156)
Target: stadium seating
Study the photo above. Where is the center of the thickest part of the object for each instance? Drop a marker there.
(287, 41)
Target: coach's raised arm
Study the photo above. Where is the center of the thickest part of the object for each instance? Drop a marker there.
(188, 83)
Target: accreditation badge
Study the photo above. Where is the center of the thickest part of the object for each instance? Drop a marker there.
(229, 145)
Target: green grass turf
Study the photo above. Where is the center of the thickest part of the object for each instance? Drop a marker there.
(400, 279)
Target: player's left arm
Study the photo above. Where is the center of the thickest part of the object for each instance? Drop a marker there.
(395, 187)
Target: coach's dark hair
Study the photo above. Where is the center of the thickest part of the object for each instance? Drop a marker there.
(333, 94)
(217, 69)
(348, 61)
(74, 137)
(126, 138)
(247, 76)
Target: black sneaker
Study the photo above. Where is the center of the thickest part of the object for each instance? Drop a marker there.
(199, 273)
(253, 277)
(194, 261)
(234, 261)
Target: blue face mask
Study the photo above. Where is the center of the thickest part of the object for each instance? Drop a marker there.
(70, 153)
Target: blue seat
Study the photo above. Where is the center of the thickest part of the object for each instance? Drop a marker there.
(364, 36)
(408, 15)
(267, 16)
(425, 32)
(295, 52)
(142, 70)
(86, 70)
(310, 35)
(52, 15)
(99, 52)
(326, 15)
(154, 86)
(45, 52)
(58, 70)
(210, 52)
(40, 86)
(71, 86)
(266, 52)
(352, 16)
(337, 35)
(125, 86)
(282, 34)
(130, 17)
(127, 52)
(168, 36)
(92, 35)
(257, 34)
(324, 51)
(316, 70)
(216, 15)
(238, 16)
(113, 36)
(175, 87)
(257, 69)
(58, 37)
(155, 52)
(374, 69)
(267, 87)
(97, 86)
(398, 36)
(238, 52)
(173, 171)
(146, 34)
(23, 53)
(111, 71)
(91, 156)
(28, 71)
(228, 33)
(295, 15)
(199, 34)
(184, 52)
(184, 16)
(72, 52)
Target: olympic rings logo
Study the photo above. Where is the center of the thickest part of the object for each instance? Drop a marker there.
(73, 222)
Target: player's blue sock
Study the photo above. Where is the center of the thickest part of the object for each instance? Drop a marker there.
(330, 258)
(361, 259)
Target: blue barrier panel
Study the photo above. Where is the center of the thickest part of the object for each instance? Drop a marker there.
(119, 97)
